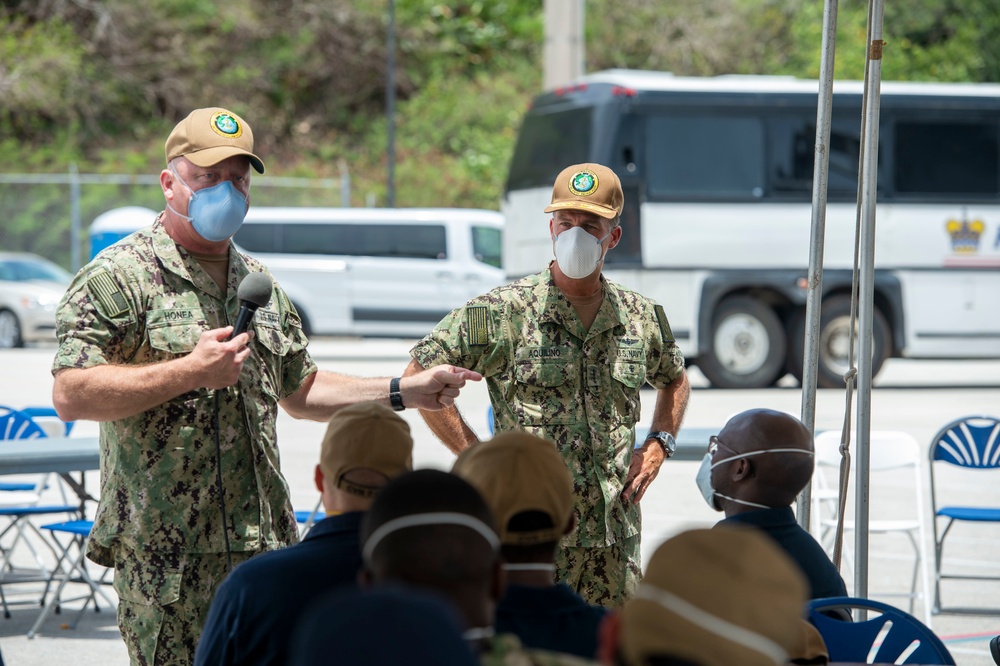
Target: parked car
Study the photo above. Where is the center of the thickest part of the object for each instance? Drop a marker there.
(30, 289)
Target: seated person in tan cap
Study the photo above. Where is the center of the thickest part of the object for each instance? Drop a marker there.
(721, 597)
(188, 411)
(433, 531)
(527, 485)
(256, 608)
(753, 471)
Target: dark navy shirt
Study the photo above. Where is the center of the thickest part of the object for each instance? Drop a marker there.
(550, 618)
(824, 579)
(255, 610)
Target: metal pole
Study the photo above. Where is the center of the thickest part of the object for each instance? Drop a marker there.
(74, 234)
(866, 296)
(821, 172)
(390, 107)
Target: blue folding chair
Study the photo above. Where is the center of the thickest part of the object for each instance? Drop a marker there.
(72, 568)
(970, 444)
(19, 501)
(892, 637)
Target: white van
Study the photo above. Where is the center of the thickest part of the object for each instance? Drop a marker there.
(389, 272)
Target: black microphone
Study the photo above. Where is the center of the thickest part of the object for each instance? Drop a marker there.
(254, 292)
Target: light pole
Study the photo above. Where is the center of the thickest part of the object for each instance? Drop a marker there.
(390, 107)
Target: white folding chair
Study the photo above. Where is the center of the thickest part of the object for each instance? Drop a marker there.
(890, 452)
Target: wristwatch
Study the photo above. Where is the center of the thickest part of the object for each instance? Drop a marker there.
(395, 397)
(665, 439)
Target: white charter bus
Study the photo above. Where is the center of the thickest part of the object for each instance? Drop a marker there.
(717, 174)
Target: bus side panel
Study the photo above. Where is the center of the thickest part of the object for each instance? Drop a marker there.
(679, 294)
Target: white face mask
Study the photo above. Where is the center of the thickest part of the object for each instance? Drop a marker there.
(704, 477)
(578, 253)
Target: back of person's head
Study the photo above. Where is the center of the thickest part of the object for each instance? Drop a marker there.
(432, 529)
(527, 485)
(780, 475)
(388, 625)
(713, 598)
(365, 446)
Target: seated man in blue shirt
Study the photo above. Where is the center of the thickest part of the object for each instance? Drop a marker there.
(530, 491)
(255, 610)
(753, 471)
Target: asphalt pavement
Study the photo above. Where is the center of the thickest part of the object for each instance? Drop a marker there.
(917, 397)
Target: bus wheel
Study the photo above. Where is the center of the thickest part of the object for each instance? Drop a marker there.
(834, 342)
(306, 324)
(748, 345)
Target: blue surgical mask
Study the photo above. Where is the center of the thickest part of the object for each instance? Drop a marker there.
(216, 212)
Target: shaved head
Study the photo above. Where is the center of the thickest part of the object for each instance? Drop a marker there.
(774, 479)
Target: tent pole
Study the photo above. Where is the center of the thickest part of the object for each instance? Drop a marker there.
(814, 294)
(866, 294)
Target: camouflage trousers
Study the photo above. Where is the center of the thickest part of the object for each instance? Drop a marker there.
(163, 601)
(602, 576)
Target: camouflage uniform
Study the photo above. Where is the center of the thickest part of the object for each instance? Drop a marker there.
(145, 300)
(507, 650)
(580, 389)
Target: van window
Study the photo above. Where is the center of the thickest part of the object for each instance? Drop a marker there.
(416, 241)
(699, 156)
(486, 243)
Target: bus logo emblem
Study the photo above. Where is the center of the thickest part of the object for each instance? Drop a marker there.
(583, 183)
(965, 235)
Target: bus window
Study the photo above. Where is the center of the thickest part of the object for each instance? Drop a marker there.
(946, 158)
(790, 159)
(547, 144)
(699, 156)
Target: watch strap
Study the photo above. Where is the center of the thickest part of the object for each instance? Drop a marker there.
(395, 397)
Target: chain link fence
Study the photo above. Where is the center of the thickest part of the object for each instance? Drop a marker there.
(49, 214)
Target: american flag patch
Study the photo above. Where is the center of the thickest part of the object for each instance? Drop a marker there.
(476, 322)
(106, 291)
(665, 333)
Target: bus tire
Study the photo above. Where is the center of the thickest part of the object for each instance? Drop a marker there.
(747, 345)
(306, 324)
(834, 328)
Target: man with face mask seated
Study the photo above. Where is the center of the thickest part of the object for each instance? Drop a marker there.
(753, 471)
(565, 353)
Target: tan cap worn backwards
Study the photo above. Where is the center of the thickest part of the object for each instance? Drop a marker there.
(517, 472)
(366, 435)
(717, 597)
(208, 136)
(591, 187)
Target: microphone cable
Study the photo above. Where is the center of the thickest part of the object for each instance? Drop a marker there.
(218, 480)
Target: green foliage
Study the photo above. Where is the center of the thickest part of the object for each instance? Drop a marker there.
(100, 84)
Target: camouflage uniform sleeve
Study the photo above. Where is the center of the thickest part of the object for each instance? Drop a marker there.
(664, 363)
(97, 319)
(297, 364)
(471, 337)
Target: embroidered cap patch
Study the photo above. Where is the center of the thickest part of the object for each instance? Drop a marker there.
(226, 125)
(583, 183)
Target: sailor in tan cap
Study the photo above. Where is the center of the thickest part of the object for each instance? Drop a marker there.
(255, 611)
(192, 485)
(527, 485)
(565, 353)
(712, 598)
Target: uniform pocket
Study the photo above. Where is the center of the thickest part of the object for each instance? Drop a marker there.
(175, 338)
(546, 392)
(628, 379)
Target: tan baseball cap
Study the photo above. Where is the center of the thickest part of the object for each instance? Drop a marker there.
(208, 136)
(591, 187)
(366, 435)
(517, 472)
(702, 583)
